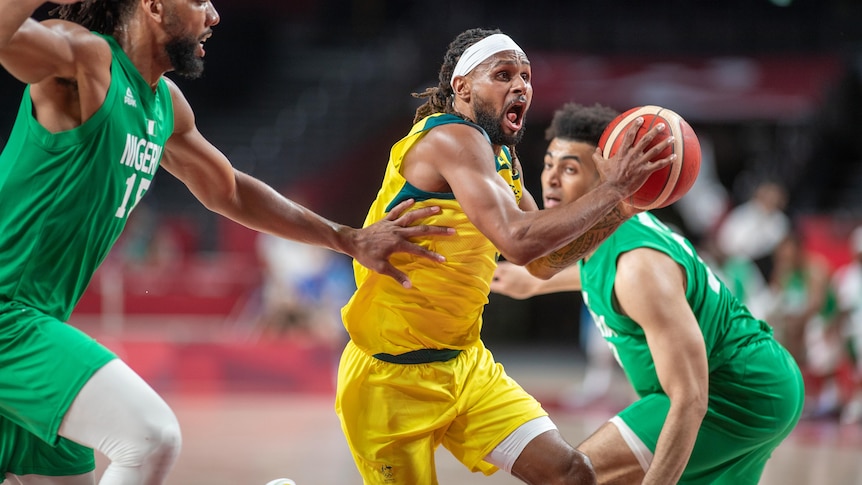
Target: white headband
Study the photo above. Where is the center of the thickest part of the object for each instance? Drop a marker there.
(478, 52)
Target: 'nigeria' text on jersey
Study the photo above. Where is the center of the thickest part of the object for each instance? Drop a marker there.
(65, 197)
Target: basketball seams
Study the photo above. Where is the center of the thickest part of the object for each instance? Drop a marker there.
(678, 176)
(678, 147)
(615, 137)
(691, 145)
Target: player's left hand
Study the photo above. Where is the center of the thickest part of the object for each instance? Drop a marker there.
(373, 245)
(513, 281)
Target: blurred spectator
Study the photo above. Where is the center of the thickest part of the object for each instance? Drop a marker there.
(740, 274)
(848, 285)
(754, 228)
(707, 202)
(304, 288)
(802, 310)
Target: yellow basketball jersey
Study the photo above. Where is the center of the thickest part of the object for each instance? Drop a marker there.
(443, 309)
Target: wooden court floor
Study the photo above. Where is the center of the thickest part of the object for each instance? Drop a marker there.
(250, 439)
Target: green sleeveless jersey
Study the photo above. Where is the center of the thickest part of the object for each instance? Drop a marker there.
(726, 323)
(65, 197)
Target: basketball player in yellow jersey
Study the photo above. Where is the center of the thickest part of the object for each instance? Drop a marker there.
(415, 373)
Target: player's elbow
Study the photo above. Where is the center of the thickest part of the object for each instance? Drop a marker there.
(541, 271)
(223, 197)
(212, 200)
(515, 258)
(520, 254)
(218, 201)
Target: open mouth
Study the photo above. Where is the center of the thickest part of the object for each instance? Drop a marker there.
(515, 116)
(551, 202)
(202, 41)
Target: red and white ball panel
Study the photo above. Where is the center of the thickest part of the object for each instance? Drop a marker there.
(669, 184)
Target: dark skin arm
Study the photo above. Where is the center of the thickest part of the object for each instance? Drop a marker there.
(242, 198)
(69, 72)
(557, 261)
(455, 158)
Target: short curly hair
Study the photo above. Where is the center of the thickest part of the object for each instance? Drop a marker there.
(577, 122)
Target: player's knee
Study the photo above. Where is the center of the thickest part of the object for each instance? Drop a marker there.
(574, 468)
(169, 443)
(156, 443)
(583, 468)
(165, 448)
(578, 470)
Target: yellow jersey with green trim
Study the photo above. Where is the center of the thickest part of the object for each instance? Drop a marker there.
(443, 309)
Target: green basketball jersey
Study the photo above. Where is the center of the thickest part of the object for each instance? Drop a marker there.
(65, 197)
(726, 324)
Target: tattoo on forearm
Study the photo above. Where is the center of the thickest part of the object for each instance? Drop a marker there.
(583, 245)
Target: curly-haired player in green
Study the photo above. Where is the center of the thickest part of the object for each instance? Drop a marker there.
(717, 392)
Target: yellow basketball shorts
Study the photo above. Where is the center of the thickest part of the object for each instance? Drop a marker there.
(394, 416)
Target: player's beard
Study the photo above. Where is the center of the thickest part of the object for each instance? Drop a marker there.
(182, 49)
(182, 52)
(492, 122)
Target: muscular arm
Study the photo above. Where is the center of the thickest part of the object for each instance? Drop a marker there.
(557, 261)
(456, 157)
(67, 67)
(650, 288)
(15, 14)
(212, 179)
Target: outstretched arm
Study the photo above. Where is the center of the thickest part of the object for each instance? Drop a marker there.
(516, 282)
(650, 288)
(212, 179)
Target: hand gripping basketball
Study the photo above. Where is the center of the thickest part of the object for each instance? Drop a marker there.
(666, 185)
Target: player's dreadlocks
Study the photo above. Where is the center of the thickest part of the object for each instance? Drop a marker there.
(580, 123)
(102, 16)
(439, 97)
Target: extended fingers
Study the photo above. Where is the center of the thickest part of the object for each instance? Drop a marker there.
(396, 211)
(425, 230)
(632, 131)
(387, 269)
(662, 162)
(653, 153)
(406, 221)
(413, 248)
(649, 136)
(413, 216)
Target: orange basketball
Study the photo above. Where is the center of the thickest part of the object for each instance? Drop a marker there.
(669, 184)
